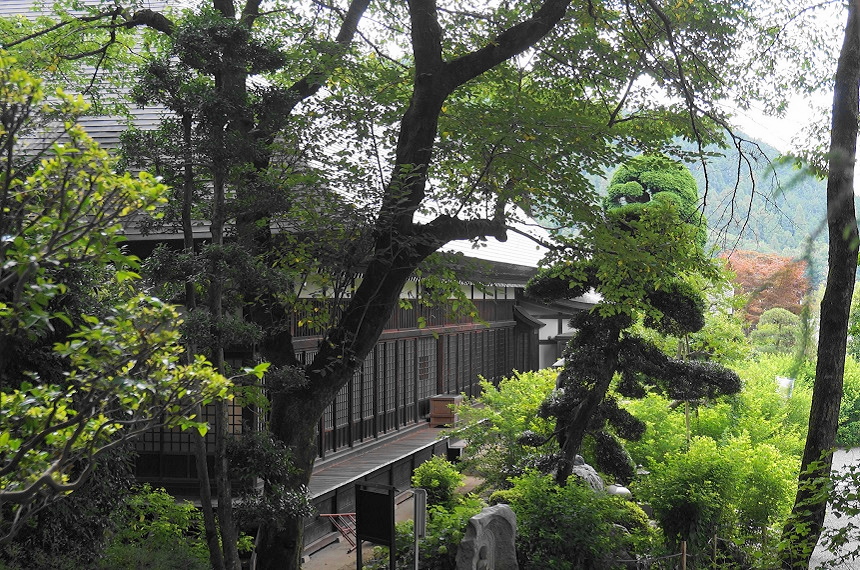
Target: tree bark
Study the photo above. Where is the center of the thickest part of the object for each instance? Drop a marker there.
(804, 526)
(572, 434)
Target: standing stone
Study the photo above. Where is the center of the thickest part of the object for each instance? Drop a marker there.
(489, 541)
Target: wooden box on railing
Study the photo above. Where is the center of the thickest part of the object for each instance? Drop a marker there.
(441, 413)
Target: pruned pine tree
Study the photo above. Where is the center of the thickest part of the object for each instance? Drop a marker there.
(651, 208)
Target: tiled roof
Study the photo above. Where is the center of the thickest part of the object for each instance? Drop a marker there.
(25, 7)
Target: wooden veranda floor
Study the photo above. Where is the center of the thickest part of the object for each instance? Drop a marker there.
(359, 465)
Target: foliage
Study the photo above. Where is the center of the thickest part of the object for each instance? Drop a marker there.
(446, 527)
(122, 370)
(734, 490)
(155, 531)
(73, 533)
(573, 527)
(769, 281)
(854, 326)
(498, 425)
(722, 338)
(736, 476)
(764, 411)
(60, 208)
(778, 330)
(255, 456)
(440, 478)
(655, 177)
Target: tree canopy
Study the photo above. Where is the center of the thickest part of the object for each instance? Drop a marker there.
(769, 281)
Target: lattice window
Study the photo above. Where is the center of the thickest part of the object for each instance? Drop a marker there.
(367, 388)
(355, 386)
(390, 377)
(407, 352)
(328, 418)
(426, 367)
(452, 361)
(342, 407)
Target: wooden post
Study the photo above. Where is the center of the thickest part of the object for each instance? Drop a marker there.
(715, 551)
(683, 555)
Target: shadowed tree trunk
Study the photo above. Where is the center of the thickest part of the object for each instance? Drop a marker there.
(804, 526)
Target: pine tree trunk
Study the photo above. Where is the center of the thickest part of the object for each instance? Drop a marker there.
(804, 526)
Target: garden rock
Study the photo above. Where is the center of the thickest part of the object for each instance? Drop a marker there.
(489, 541)
(588, 474)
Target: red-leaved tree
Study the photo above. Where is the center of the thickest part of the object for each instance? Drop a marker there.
(769, 280)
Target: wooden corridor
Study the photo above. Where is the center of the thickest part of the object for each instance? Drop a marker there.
(361, 465)
(389, 462)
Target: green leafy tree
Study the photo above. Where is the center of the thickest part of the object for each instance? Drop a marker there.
(429, 93)
(734, 490)
(121, 371)
(497, 424)
(440, 478)
(777, 331)
(571, 526)
(668, 248)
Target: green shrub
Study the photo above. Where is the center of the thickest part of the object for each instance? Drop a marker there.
(440, 478)
(692, 493)
(156, 532)
(573, 527)
(71, 533)
(762, 411)
(494, 428)
(138, 557)
(735, 489)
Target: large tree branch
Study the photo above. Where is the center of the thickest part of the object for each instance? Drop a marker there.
(506, 45)
(152, 19)
(448, 228)
(308, 85)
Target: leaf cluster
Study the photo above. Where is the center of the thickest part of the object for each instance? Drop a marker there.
(256, 458)
(502, 427)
